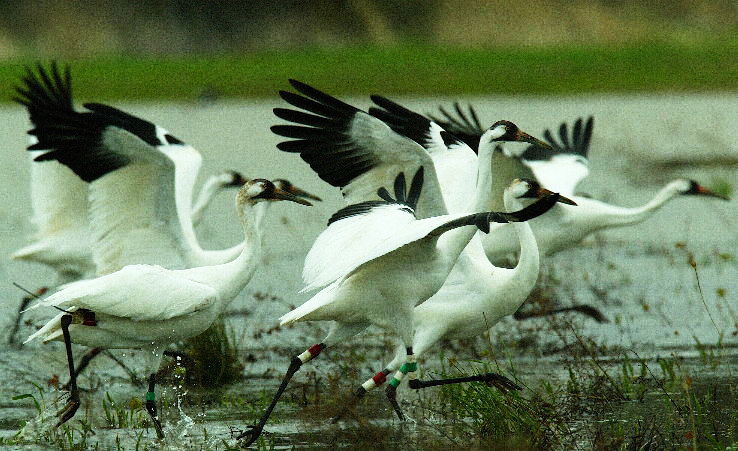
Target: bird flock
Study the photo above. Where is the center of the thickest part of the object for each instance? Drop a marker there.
(434, 204)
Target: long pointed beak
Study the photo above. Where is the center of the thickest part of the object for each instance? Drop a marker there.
(280, 194)
(302, 193)
(524, 137)
(543, 192)
(702, 191)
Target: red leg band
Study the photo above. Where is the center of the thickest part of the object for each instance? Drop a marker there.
(379, 378)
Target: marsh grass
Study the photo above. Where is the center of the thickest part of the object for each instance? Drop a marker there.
(120, 415)
(210, 359)
(509, 419)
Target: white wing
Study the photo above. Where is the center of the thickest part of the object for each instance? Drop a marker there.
(353, 150)
(363, 232)
(135, 216)
(134, 167)
(349, 242)
(137, 292)
(455, 162)
(58, 198)
(562, 169)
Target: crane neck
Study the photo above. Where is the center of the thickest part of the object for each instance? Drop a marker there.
(526, 270)
(453, 242)
(621, 216)
(209, 189)
(231, 277)
(485, 178)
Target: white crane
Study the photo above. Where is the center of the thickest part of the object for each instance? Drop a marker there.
(376, 260)
(476, 294)
(474, 297)
(149, 307)
(456, 165)
(59, 198)
(561, 171)
(140, 180)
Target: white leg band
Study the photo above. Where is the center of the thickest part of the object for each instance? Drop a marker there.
(305, 356)
(369, 384)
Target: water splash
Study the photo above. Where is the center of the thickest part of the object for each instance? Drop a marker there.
(43, 423)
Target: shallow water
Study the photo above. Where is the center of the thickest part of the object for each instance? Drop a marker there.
(638, 276)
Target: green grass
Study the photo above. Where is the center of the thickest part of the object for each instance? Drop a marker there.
(406, 70)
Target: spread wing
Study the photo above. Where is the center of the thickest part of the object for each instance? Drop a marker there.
(564, 168)
(455, 162)
(139, 197)
(360, 233)
(58, 197)
(351, 149)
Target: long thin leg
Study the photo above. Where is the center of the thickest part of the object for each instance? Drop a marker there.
(83, 363)
(70, 408)
(410, 367)
(491, 379)
(371, 383)
(151, 406)
(255, 430)
(584, 309)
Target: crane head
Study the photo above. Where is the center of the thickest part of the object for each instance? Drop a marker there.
(508, 131)
(286, 185)
(690, 187)
(258, 190)
(530, 189)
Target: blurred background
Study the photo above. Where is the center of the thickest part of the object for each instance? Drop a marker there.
(238, 49)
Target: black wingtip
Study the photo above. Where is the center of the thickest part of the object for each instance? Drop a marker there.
(385, 195)
(400, 188)
(416, 187)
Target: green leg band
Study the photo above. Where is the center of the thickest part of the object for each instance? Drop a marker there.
(409, 367)
(150, 396)
(394, 382)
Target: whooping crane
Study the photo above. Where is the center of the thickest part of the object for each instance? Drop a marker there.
(59, 198)
(474, 297)
(149, 307)
(351, 149)
(561, 171)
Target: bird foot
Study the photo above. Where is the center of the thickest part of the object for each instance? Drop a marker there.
(159, 429)
(500, 382)
(251, 435)
(67, 412)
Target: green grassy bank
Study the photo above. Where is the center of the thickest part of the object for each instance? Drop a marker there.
(407, 70)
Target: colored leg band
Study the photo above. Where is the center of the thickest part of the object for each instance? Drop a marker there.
(305, 356)
(397, 378)
(369, 384)
(409, 367)
(150, 396)
(376, 380)
(311, 353)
